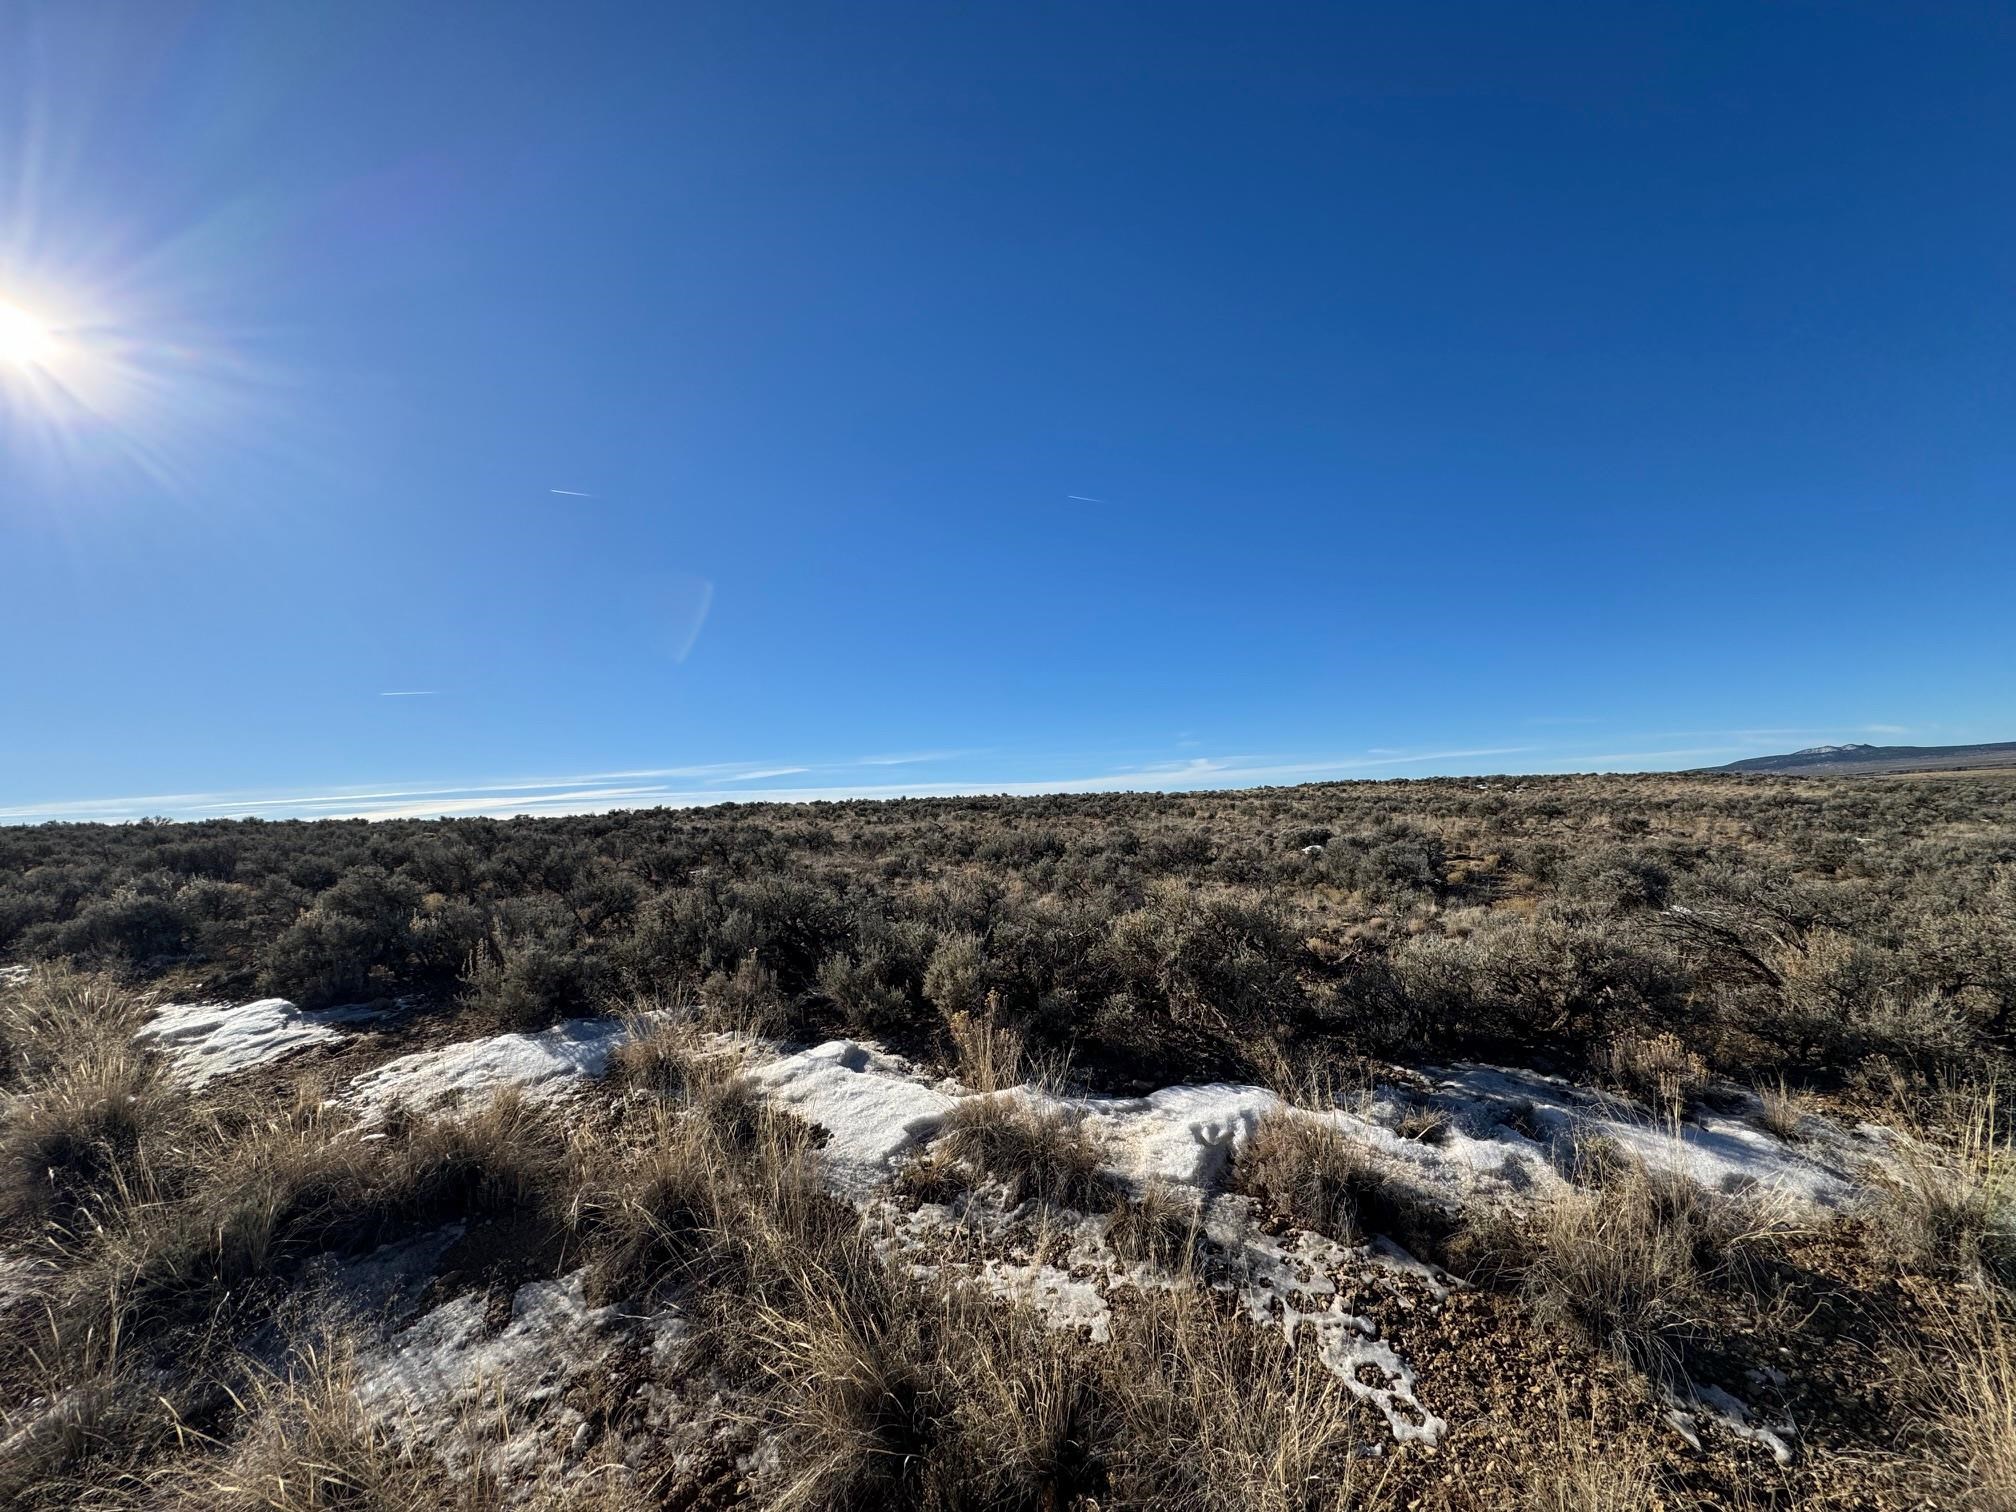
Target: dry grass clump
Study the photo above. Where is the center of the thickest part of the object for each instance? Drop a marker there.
(654, 1057)
(664, 1058)
(990, 1055)
(747, 1000)
(888, 1392)
(1160, 1225)
(506, 1156)
(854, 1384)
(990, 1052)
(1423, 1122)
(1953, 1208)
(653, 1217)
(80, 1130)
(58, 1014)
(710, 1204)
(311, 1446)
(1629, 1266)
(1220, 1417)
(1656, 1069)
(97, 1423)
(1964, 1390)
(1035, 1152)
(1781, 1111)
(1308, 1173)
(88, 1100)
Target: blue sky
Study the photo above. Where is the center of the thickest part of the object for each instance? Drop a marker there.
(688, 401)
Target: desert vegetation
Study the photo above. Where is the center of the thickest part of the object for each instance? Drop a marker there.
(1698, 957)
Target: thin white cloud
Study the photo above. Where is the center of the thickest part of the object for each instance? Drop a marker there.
(570, 493)
(1087, 499)
(912, 758)
(411, 693)
(702, 784)
(1886, 729)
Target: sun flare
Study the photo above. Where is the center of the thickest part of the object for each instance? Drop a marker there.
(25, 341)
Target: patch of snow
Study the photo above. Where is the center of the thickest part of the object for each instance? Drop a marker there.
(1717, 1151)
(1179, 1135)
(1282, 1278)
(872, 1106)
(208, 1040)
(1737, 1417)
(542, 1065)
(1352, 1357)
(1061, 1299)
(444, 1379)
(448, 1353)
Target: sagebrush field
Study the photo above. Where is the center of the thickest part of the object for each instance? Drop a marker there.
(1599, 1142)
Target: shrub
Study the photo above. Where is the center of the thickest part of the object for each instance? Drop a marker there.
(747, 999)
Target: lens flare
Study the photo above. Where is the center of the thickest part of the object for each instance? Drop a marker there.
(25, 341)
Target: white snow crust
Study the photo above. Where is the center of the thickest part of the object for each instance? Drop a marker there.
(543, 1065)
(208, 1040)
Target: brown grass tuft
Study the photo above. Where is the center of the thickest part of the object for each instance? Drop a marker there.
(1035, 1152)
(1161, 1225)
(1952, 1208)
(1628, 1265)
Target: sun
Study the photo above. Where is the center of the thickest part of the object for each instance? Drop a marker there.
(25, 341)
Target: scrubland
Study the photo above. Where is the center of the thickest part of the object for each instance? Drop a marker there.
(1536, 1142)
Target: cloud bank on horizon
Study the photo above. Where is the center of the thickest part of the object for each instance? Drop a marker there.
(695, 786)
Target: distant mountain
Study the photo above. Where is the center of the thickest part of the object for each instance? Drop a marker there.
(1851, 760)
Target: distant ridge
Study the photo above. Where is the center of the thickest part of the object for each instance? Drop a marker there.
(1828, 760)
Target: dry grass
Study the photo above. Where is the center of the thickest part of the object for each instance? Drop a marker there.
(1219, 1417)
(1034, 1152)
(57, 1013)
(1308, 1173)
(1781, 1111)
(990, 1054)
(1951, 1205)
(656, 1056)
(1423, 1122)
(1161, 1225)
(1964, 1389)
(310, 1446)
(80, 1134)
(747, 1000)
(1658, 1070)
(89, 1101)
(652, 1217)
(1629, 1265)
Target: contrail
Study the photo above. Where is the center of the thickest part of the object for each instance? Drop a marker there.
(1082, 499)
(411, 693)
(571, 493)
